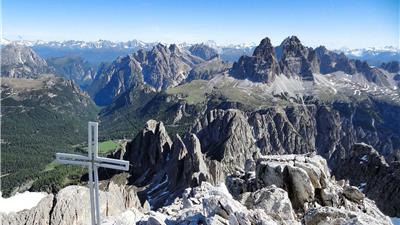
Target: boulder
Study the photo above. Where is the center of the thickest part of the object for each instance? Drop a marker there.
(272, 200)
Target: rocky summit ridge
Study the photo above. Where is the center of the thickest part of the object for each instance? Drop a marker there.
(186, 181)
(285, 189)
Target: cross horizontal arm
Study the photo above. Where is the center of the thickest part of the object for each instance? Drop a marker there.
(66, 156)
(74, 162)
(112, 163)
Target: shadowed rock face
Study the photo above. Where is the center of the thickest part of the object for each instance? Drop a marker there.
(392, 67)
(148, 151)
(203, 51)
(380, 181)
(298, 60)
(208, 70)
(74, 68)
(162, 166)
(262, 66)
(331, 61)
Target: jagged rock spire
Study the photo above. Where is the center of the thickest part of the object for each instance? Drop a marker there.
(261, 67)
(298, 60)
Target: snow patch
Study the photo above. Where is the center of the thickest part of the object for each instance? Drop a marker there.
(364, 158)
(362, 186)
(21, 201)
(51, 95)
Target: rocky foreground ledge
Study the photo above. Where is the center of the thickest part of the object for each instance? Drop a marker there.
(285, 189)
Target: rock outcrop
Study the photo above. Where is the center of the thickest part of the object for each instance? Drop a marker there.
(306, 193)
(391, 67)
(262, 66)
(379, 180)
(226, 139)
(18, 61)
(331, 61)
(297, 60)
(203, 51)
(208, 70)
(286, 189)
(164, 168)
(296, 189)
(71, 206)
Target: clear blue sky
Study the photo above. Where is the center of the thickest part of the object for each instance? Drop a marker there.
(334, 23)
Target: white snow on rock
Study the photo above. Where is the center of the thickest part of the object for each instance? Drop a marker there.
(21, 201)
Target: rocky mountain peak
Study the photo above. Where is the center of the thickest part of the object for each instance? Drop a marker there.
(321, 50)
(159, 68)
(174, 48)
(298, 60)
(292, 41)
(264, 49)
(20, 61)
(261, 67)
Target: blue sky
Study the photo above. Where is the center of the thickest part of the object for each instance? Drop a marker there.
(334, 23)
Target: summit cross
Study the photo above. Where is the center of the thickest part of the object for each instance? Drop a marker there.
(93, 162)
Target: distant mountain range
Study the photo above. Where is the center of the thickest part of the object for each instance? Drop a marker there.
(106, 51)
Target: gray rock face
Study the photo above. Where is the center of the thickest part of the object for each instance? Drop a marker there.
(208, 70)
(160, 68)
(148, 151)
(73, 68)
(226, 140)
(71, 206)
(298, 60)
(367, 169)
(330, 130)
(110, 81)
(18, 61)
(273, 201)
(299, 175)
(279, 130)
(391, 67)
(203, 51)
(313, 193)
(331, 61)
(262, 66)
(166, 66)
(162, 166)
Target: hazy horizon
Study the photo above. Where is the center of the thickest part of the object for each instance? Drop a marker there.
(335, 24)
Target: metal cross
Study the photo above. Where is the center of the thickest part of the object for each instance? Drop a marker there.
(93, 161)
